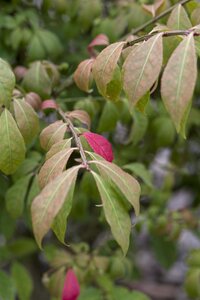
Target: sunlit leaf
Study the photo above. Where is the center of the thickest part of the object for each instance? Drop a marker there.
(52, 134)
(179, 80)
(12, 146)
(27, 120)
(127, 184)
(83, 74)
(115, 213)
(7, 83)
(105, 65)
(179, 19)
(59, 146)
(142, 68)
(54, 166)
(48, 203)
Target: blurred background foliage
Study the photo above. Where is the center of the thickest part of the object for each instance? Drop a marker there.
(163, 260)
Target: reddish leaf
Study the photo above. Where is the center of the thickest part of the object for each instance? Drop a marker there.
(99, 40)
(49, 104)
(100, 145)
(71, 289)
(83, 74)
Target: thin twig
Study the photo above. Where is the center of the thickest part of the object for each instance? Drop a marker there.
(163, 14)
(76, 137)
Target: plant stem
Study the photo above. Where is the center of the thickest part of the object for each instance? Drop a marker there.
(165, 34)
(160, 16)
(71, 127)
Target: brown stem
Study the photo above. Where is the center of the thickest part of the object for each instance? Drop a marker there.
(165, 34)
(160, 16)
(67, 120)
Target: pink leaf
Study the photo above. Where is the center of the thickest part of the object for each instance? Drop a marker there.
(71, 289)
(99, 40)
(100, 145)
(49, 104)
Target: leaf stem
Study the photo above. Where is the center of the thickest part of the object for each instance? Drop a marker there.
(71, 127)
(164, 34)
(160, 16)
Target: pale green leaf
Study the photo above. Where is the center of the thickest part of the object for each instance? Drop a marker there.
(15, 197)
(22, 280)
(12, 147)
(115, 213)
(27, 120)
(127, 184)
(48, 203)
(142, 68)
(141, 171)
(57, 147)
(52, 134)
(7, 83)
(54, 166)
(179, 19)
(178, 80)
(60, 221)
(105, 66)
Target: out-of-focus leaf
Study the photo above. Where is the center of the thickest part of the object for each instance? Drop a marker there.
(48, 203)
(7, 287)
(179, 19)
(154, 8)
(15, 197)
(115, 213)
(109, 117)
(177, 83)
(71, 289)
(22, 247)
(52, 134)
(195, 17)
(83, 74)
(12, 147)
(54, 166)
(139, 127)
(90, 294)
(22, 280)
(7, 83)
(141, 68)
(99, 40)
(105, 65)
(140, 170)
(27, 120)
(142, 103)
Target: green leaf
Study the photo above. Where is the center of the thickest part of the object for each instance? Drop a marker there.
(15, 196)
(142, 103)
(52, 134)
(22, 280)
(104, 68)
(54, 166)
(123, 293)
(179, 19)
(60, 221)
(114, 87)
(115, 213)
(7, 83)
(142, 68)
(141, 171)
(178, 81)
(48, 203)
(27, 120)
(22, 247)
(12, 147)
(109, 117)
(35, 49)
(59, 146)
(139, 127)
(90, 293)
(128, 185)
(37, 80)
(7, 288)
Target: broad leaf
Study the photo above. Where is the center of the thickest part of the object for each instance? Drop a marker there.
(80, 115)
(7, 287)
(115, 213)
(100, 145)
(22, 280)
(54, 166)
(52, 134)
(57, 147)
(83, 75)
(48, 203)
(60, 221)
(12, 147)
(178, 81)
(179, 19)
(7, 83)
(105, 65)
(15, 197)
(142, 68)
(128, 185)
(27, 120)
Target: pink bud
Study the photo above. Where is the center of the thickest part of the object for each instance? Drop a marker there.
(50, 103)
(71, 289)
